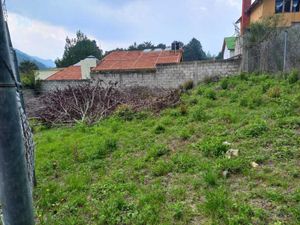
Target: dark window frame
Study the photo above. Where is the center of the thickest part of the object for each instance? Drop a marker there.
(283, 9)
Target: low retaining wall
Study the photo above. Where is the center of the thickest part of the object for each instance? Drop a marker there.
(172, 76)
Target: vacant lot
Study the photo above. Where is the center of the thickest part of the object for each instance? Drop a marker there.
(229, 154)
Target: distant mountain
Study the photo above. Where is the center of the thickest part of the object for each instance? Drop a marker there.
(41, 63)
(47, 62)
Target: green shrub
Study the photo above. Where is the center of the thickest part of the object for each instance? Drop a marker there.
(188, 85)
(217, 205)
(234, 165)
(162, 168)
(255, 129)
(199, 114)
(211, 94)
(125, 112)
(293, 76)
(183, 110)
(193, 101)
(274, 92)
(159, 129)
(213, 147)
(200, 91)
(225, 84)
(157, 151)
(184, 162)
(210, 79)
(185, 134)
(266, 87)
(210, 178)
(109, 146)
(244, 76)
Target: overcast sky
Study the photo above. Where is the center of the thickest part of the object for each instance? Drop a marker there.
(39, 27)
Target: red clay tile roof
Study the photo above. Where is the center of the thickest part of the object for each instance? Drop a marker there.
(69, 73)
(137, 60)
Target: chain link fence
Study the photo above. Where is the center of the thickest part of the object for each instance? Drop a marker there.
(29, 146)
(279, 51)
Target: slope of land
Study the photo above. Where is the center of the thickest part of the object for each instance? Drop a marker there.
(173, 168)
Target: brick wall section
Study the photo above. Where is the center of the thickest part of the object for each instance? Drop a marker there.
(171, 76)
(166, 76)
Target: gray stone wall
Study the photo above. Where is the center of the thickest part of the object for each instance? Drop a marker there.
(172, 76)
(52, 85)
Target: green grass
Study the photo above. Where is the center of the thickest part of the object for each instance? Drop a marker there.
(139, 168)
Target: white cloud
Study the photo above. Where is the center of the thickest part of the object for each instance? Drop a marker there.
(37, 38)
(45, 40)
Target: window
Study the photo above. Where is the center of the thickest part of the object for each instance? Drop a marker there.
(296, 6)
(287, 5)
(279, 6)
(283, 6)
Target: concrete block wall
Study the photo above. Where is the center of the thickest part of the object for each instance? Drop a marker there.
(165, 76)
(52, 85)
(172, 76)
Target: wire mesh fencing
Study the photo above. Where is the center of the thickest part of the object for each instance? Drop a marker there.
(279, 52)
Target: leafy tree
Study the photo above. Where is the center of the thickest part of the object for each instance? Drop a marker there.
(77, 49)
(219, 56)
(177, 45)
(193, 51)
(161, 46)
(145, 45)
(28, 74)
(27, 67)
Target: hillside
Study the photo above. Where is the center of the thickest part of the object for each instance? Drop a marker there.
(229, 154)
(41, 63)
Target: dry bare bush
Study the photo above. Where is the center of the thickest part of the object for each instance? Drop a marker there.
(94, 101)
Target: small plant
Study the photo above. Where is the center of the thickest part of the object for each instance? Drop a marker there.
(211, 94)
(210, 178)
(293, 76)
(244, 76)
(193, 101)
(184, 134)
(213, 147)
(244, 102)
(125, 112)
(157, 151)
(159, 129)
(255, 129)
(183, 110)
(109, 146)
(162, 168)
(266, 87)
(211, 79)
(184, 162)
(217, 205)
(225, 84)
(188, 85)
(274, 92)
(199, 114)
(200, 91)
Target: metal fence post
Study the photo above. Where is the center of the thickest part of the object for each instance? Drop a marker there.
(285, 51)
(16, 200)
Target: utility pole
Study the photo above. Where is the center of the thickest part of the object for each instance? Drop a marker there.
(285, 50)
(15, 196)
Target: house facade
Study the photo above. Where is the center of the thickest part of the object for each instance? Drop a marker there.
(288, 12)
(228, 49)
(79, 71)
